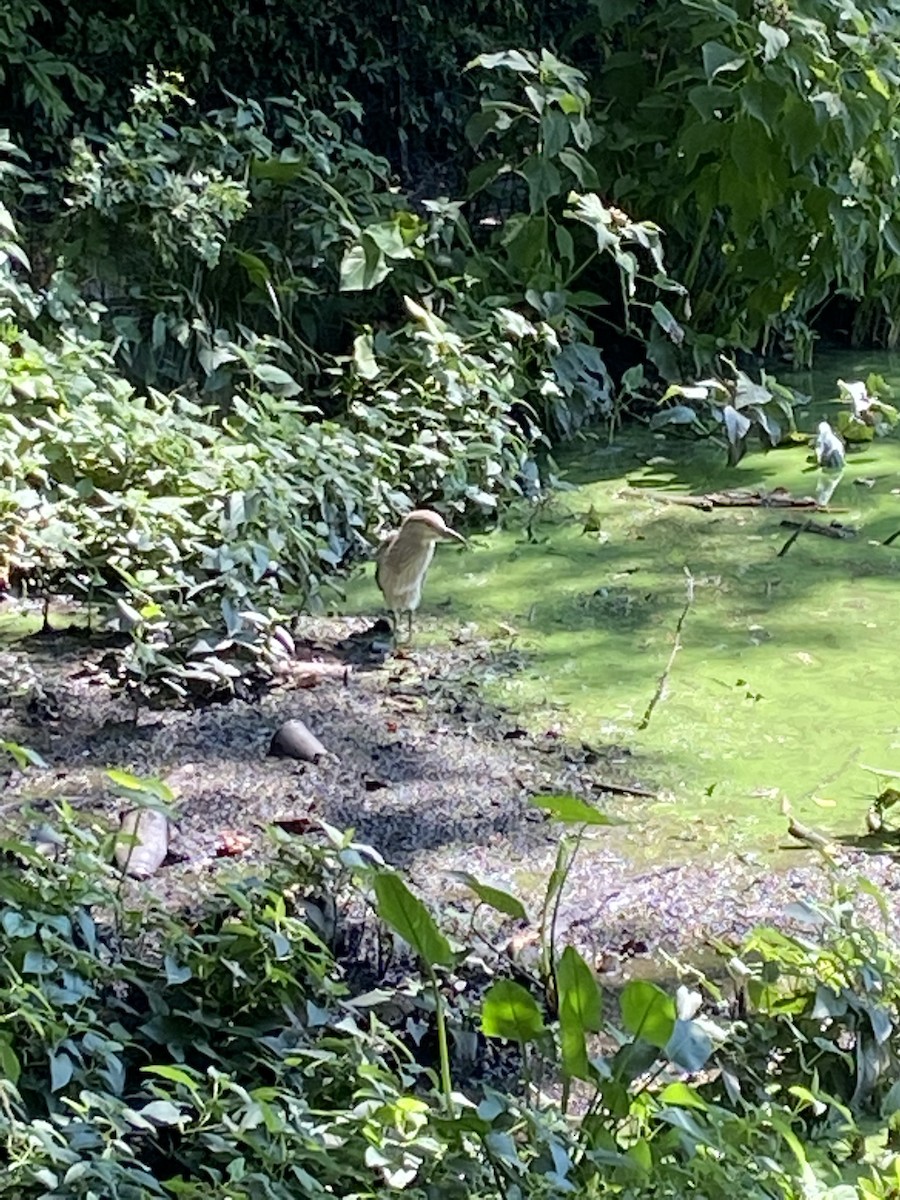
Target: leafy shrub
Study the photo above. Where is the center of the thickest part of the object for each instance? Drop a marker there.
(756, 135)
(223, 242)
(236, 1049)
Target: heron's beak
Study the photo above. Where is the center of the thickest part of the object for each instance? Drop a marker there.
(451, 533)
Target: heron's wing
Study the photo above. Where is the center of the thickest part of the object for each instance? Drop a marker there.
(382, 551)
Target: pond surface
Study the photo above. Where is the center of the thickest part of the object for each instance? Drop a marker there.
(788, 677)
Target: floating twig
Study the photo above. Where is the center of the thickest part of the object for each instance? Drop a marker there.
(663, 679)
(889, 541)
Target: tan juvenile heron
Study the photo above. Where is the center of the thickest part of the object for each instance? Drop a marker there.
(403, 559)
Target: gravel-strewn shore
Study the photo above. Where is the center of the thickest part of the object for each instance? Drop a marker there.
(424, 771)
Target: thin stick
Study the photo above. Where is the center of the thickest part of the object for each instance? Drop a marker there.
(787, 545)
(621, 789)
(888, 541)
(663, 679)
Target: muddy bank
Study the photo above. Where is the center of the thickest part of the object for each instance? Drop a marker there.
(420, 766)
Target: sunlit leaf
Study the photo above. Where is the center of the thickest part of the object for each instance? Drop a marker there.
(509, 1011)
(580, 1011)
(495, 897)
(648, 1012)
(572, 811)
(409, 917)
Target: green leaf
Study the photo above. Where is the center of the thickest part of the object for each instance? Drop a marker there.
(364, 356)
(544, 182)
(510, 1011)
(774, 40)
(161, 1112)
(682, 1095)
(515, 60)
(276, 378)
(174, 1075)
(689, 1046)
(580, 167)
(276, 170)
(363, 267)
(580, 1012)
(572, 811)
(648, 1012)
(409, 917)
(495, 897)
(61, 1070)
(10, 1067)
(718, 58)
(23, 756)
(257, 271)
(667, 322)
(134, 786)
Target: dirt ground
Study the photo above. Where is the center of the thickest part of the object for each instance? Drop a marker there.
(420, 766)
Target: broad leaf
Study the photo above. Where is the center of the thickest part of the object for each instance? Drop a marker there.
(572, 811)
(510, 1011)
(495, 897)
(409, 917)
(689, 1046)
(648, 1012)
(580, 1011)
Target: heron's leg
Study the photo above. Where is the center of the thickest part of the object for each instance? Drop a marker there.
(409, 617)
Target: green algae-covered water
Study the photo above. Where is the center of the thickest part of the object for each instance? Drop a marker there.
(788, 677)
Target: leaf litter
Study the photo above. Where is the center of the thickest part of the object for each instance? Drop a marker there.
(422, 768)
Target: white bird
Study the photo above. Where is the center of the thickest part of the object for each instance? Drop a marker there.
(857, 395)
(403, 559)
(829, 448)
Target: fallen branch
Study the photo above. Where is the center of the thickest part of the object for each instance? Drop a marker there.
(663, 679)
(811, 837)
(740, 498)
(834, 530)
(801, 525)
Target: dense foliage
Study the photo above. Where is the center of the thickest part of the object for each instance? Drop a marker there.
(253, 353)
(233, 347)
(758, 135)
(239, 1049)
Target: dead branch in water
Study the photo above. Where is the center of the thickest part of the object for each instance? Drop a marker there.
(834, 530)
(740, 498)
(663, 679)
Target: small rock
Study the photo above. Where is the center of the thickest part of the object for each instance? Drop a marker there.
(151, 828)
(294, 740)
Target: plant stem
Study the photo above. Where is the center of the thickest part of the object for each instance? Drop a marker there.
(443, 1048)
